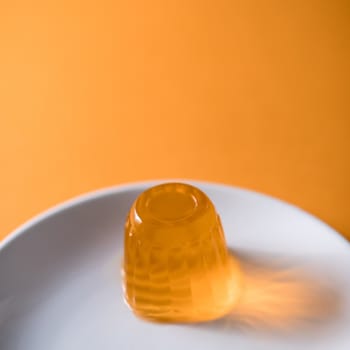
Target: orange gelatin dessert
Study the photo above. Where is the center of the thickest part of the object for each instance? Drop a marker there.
(176, 264)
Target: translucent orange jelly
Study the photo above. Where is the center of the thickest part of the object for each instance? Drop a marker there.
(176, 264)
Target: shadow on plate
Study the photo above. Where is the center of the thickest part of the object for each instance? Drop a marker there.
(280, 296)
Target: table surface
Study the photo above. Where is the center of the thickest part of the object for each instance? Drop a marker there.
(105, 92)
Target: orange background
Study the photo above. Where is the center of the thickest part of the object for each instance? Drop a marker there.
(251, 93)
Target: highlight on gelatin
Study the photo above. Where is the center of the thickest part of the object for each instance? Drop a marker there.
(177, 267)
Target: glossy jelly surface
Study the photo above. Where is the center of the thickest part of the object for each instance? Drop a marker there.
(176, 264)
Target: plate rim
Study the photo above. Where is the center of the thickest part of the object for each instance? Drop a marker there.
(127, 186)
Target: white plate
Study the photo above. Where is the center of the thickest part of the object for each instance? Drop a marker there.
(60, 283)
